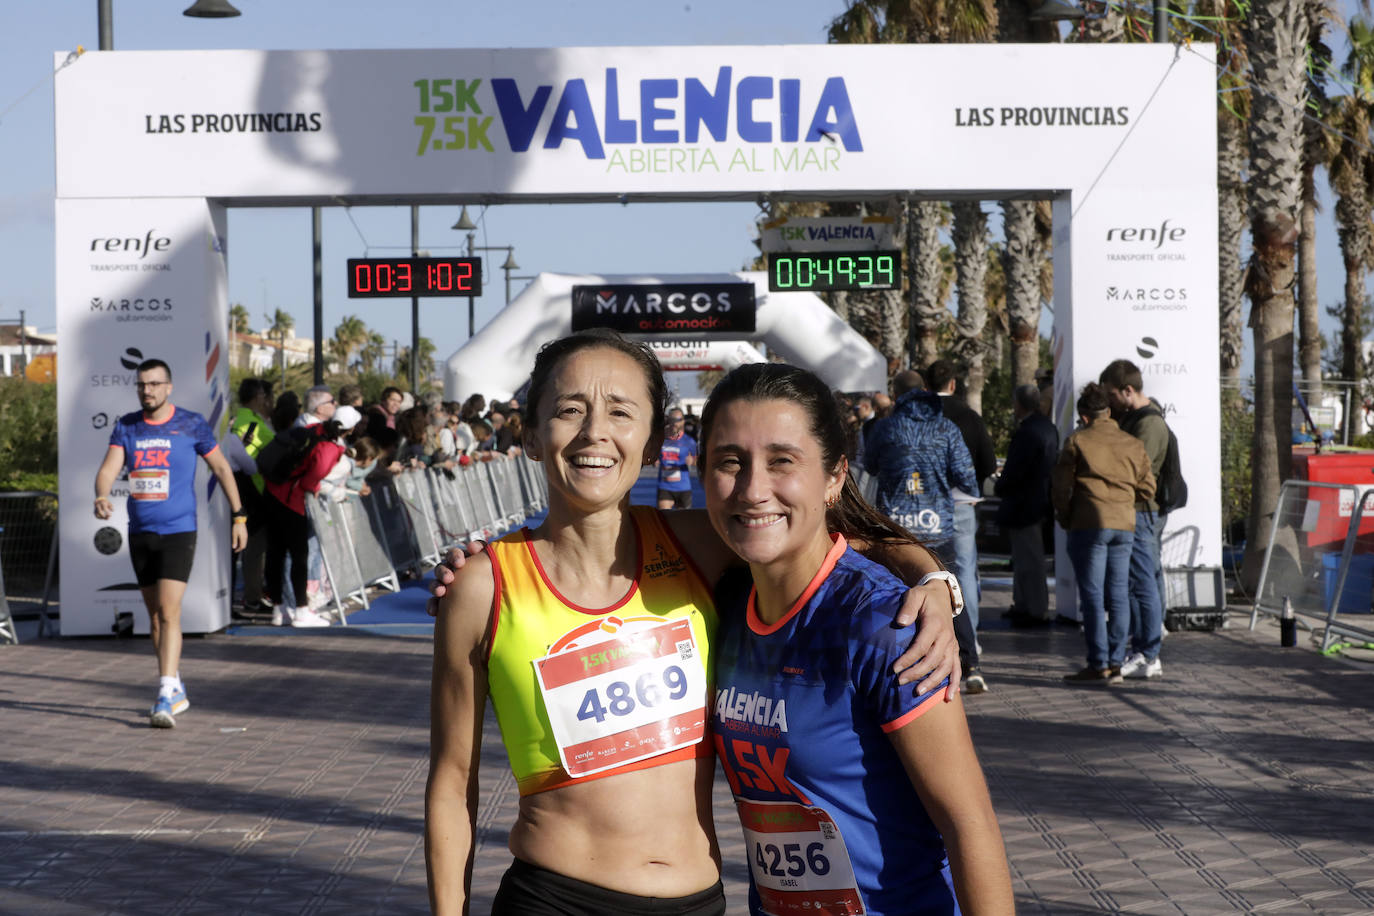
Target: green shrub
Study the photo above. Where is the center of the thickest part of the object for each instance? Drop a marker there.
(28, 434)
(1237, 433)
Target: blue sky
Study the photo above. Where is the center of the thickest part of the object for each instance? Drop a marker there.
(270, 263)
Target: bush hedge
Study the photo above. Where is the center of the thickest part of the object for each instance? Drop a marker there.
(28, 435)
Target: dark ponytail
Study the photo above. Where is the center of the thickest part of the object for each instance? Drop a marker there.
(851, 516)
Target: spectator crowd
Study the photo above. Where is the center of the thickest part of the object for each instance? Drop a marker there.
(927, 460)
(331, 444)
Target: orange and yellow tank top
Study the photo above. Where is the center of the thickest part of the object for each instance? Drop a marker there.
(582, 693)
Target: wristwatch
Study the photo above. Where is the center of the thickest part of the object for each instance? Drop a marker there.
(956, 594)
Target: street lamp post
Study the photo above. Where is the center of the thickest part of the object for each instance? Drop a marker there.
(465, 224)
(201, 9)
(508, 265)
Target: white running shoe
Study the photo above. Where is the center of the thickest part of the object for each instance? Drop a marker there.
(1145, 669)
(1133, 664)
(281, 616)
(304, 617)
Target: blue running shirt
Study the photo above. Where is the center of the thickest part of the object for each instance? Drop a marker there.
(161, 460)
(673, 473)
(803, 710)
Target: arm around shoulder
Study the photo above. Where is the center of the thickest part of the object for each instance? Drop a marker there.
(695, 535)
(458, 694)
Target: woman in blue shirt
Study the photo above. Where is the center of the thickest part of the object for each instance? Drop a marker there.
(850, 787)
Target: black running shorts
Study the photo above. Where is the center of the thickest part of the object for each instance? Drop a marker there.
(528, 890)
(162, 556)
(682, 499)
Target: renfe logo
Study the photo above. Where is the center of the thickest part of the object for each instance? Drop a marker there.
(1165, 233)
(141, 246)
(659, 119)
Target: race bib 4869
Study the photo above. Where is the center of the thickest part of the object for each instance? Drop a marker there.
(637, 694)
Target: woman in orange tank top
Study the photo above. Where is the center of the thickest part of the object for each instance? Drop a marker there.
(612, 819)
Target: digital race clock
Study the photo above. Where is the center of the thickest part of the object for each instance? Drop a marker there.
(373, 278)
(830, 271)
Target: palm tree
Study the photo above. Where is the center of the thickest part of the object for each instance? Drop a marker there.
(1319, 14)
(971, 271)
(349, 334)
(1276, 35)
(1351, 169)
(426, 360)
(902, 21)
(282, 322)
(372, 352)
(929, 313)
(1221, 21)
(238, 319)
(1024, 254)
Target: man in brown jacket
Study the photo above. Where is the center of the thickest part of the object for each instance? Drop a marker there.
(1101, 473)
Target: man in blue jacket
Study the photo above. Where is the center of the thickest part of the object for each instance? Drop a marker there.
(919, 457)
(1024, 487)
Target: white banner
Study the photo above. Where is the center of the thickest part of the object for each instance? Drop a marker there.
(828, 233)
(697, 355)
(582, 122)
(136, 279)
(1144, 286)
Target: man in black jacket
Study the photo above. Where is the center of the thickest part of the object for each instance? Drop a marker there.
(941, 378)
(1024, 487)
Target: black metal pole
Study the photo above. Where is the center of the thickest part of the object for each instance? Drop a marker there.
(105, 17)
(472, 309)
(1161, 20)
(317, 260)
(415, 304)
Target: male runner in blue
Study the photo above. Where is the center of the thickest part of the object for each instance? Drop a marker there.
(676, 458)
(159, 446)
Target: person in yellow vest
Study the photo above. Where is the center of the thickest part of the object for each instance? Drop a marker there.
(251, 425)
(591, 635)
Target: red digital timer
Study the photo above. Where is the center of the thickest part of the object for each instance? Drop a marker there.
(375, 278)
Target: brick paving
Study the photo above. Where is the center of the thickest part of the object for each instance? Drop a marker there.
(1241, 783)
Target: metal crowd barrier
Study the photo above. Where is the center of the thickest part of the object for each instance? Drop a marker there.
(28, 557)
(1320, 560)
(410, 520)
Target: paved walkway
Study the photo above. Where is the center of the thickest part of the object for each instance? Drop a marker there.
(1243, 782)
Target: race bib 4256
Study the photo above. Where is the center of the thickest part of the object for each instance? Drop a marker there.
(798, 859)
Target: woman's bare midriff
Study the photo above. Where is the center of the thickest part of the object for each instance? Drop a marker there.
(647, 832)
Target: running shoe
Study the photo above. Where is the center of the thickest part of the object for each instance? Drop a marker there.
(1145, 669)
(1089, 676)
(975, 682)
(162, 714)
(179, 702)
(304, 617)
(1134, 663)
(281, 616)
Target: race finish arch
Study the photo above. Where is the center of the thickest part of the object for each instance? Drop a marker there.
(152, 147)
(799, 326)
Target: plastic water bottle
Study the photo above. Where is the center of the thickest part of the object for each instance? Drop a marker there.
(1288, 625)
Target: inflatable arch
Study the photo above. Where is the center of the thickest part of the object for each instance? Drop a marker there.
(800, 327)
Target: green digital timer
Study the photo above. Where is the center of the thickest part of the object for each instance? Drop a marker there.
(833, 271)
